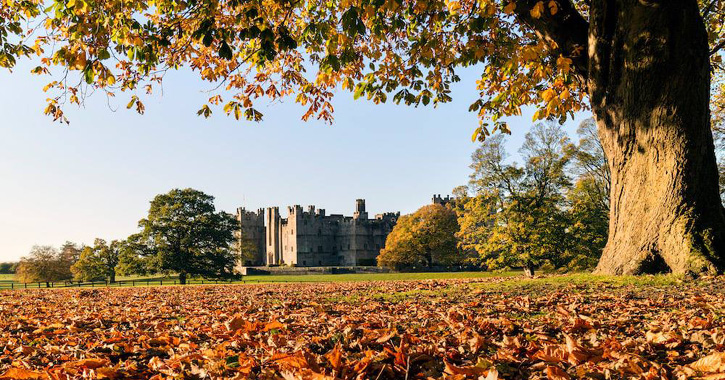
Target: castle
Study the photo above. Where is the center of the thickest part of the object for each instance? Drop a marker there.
(311, 238)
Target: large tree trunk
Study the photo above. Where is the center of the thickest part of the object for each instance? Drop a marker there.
(649, 83)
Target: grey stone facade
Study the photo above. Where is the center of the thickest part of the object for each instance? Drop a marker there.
(312, 238)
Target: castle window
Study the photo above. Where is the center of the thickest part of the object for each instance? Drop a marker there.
(291, 232)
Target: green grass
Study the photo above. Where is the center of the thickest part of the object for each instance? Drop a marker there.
(506, 281)
(375, 276)
(515, 284)
(587, 279)
(6, 280)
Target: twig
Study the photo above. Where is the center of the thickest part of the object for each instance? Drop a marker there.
(381, 371)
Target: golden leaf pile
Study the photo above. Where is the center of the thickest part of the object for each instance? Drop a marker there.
(453, 329)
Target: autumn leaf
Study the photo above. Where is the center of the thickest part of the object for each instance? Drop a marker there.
(464, 370)
(556, 373)
(537, 10)
(274, 325)
(335, 358)
(509, 8)
(236, 323)
(291, 360)
(553, 7)
(714, 362)
(22, 374)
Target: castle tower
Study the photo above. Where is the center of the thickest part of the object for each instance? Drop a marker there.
(360, 212)
(274, 225)
(438, 200)
(250, 237)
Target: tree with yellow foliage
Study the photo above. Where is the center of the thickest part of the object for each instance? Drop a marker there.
(423, 239)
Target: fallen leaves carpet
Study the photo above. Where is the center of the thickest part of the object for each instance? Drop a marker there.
(476, 329)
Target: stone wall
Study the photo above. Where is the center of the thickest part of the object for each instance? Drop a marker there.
(312, 238)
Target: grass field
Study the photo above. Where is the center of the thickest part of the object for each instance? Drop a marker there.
(6, 280)
(343, 327)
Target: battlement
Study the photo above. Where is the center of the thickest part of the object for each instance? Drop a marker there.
(250, 216)
(388, 216)
(311, 237)
(438, 200)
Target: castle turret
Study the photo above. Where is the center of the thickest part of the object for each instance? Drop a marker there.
(360, 212)
(438, 200)
(274, 225)
(250, 237)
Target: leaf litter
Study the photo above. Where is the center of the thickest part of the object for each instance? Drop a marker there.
(429, 329)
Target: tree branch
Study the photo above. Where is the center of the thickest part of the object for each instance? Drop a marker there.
(717, 47)
(567, 29)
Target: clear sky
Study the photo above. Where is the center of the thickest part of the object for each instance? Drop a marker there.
(96, 176)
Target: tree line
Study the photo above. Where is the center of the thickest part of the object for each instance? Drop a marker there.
(551, 211)
(182, 234)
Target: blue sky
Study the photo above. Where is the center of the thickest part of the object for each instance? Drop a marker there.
(96, 176)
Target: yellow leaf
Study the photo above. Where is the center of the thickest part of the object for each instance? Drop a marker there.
(553, 7)
(509, 9)
(537, 115)
(537, 10)
(475, 134)
(564, 94)
(714, 362)
(453, 7)
(564, 64)
(548, 94)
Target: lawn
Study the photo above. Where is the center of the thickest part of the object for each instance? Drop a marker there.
(6, 280)
(490, 327)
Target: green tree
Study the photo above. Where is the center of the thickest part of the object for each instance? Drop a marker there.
(517, 216)
(588, 199)
(43, 264)
(98, 262)
(475, 219)
(8, 268)
(422, 239)
(69, 254)
(588, 224)
(590, 164)
(184, 234)
(136, 258)
(248, 250)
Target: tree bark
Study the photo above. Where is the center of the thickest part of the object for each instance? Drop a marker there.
(182, 278)
(649, 85)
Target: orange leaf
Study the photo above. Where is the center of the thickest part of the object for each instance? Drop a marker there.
(556, 373)
(468, 371)
(294, 360)
(714, 362)
(335, 358)
(273, 325)
(22, 374)
(537, 10)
